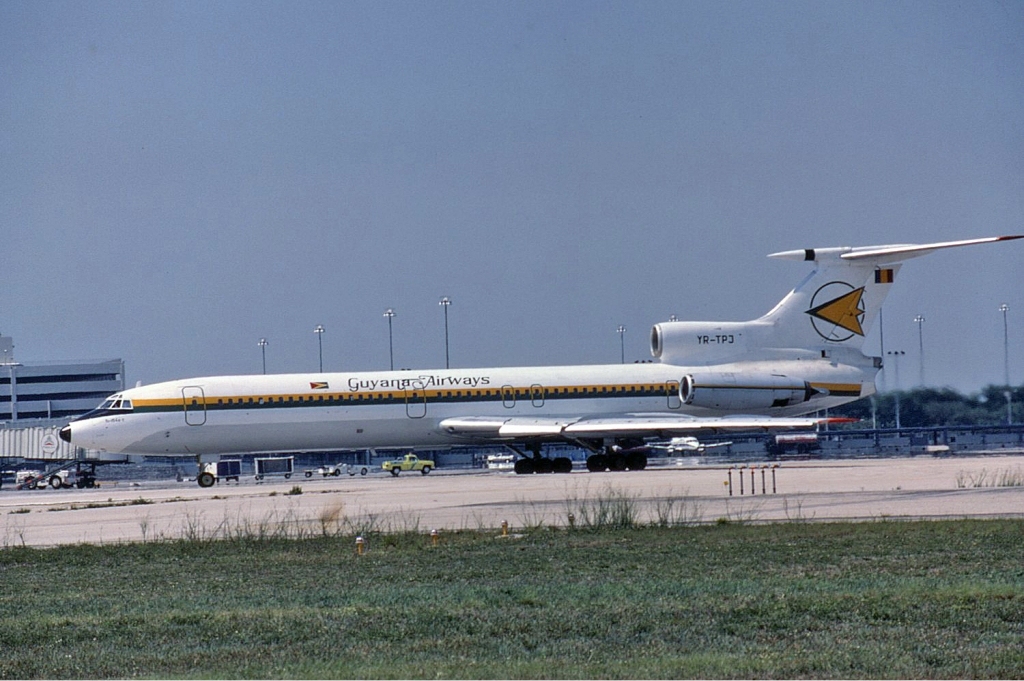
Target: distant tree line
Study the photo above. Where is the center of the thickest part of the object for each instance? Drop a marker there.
(925, 407)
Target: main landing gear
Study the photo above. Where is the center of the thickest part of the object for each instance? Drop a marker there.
(613, 459)
(610, 458)
(542, 464)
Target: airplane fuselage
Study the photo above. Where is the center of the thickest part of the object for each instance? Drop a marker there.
(337, 411)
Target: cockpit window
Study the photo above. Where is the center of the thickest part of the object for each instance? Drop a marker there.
(115, 403)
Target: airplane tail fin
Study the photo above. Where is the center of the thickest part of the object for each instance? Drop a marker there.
(840, 300)
(834, 306)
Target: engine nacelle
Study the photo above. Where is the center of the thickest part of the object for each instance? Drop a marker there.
(728, 391)
(689, 343)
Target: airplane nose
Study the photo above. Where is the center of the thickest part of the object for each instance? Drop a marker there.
(65, 433)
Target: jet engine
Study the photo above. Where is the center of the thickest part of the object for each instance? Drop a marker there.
(728, 391)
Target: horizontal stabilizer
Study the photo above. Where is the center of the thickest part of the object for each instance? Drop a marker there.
(884, 254)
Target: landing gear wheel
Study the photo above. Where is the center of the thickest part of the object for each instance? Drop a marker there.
(637, 461)
(543, 465)
(562, 464)
(617, 462)
(597, 463)
(523, 466)
(206, 479)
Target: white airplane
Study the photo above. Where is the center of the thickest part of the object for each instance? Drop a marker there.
(687, 443)
(803, 356)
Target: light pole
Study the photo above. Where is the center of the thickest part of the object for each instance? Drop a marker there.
(445, 302)
(390, 314)
(920, 344)
(263, 348)
(896, 354)
(319, 331)
(1004, 308)
(622, 343)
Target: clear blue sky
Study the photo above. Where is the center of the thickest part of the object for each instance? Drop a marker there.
(179, 179)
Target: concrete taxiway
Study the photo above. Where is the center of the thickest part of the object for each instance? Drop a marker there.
(911, 488)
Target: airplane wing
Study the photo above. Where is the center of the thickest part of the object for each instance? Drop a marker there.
(712, 445)
(625, 425)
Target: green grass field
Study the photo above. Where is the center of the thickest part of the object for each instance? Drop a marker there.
(881, 600)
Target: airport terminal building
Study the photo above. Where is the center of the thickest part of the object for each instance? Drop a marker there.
(53, 390)
(37, 398)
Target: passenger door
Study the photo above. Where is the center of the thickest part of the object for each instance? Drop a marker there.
(416, 400)
(195, 405)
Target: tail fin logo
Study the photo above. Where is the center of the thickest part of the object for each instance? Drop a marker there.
(843, 310)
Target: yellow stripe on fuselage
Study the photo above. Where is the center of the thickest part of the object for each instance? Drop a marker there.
(535, 391)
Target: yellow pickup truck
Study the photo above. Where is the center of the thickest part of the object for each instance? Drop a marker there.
(409, 462)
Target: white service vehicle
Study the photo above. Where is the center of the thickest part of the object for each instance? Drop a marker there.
(61, 479)
(336, 470)
(27, 479)
(225, 469)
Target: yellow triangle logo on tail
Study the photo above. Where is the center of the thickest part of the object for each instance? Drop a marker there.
(846, 311)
